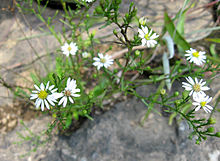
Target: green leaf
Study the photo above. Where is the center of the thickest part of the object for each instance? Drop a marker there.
(100, 88)
(217, 40)
(59, 67)
(35, 79)
(180, 25)
(213, 51)
(21, 93)
(68, 121)
(177, 38)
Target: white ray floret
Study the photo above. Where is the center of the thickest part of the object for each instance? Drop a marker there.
(195, 87)
(88, 1)
(147, 38)
(197, 57)
(45, 96)
(68, 49)
(102, 61)
(201, 101)
(69, 92)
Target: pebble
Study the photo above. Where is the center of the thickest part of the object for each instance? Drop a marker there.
(12, 124)
(4, 121)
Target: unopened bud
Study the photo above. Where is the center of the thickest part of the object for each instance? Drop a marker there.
(163, 91)
(127, 16)
(212, 120)
(137, 53)
(180, 70)
(84, 112)
(143, 21)
(115, 32)
(211, 129)
(176, 94)
(148, 68)
(94, 75)
(217, 134)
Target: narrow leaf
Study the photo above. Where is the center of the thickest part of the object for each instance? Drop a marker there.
(178, 39)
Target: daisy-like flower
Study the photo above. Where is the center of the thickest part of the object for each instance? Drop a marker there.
(201, 101)
(103, 61)
(195, 87)
(147, 37)
(44, 96)
(197, 57)
(69, 92)
(68, 49)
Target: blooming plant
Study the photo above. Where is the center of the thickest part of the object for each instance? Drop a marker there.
(85, 75)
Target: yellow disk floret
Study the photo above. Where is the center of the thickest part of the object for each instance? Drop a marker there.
(42, 95)
(196, 54)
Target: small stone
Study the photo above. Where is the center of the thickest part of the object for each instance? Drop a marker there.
(12, 124)
(4, 121)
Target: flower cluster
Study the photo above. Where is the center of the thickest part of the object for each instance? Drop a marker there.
(197, 89)
(100, 61)
(47, 96)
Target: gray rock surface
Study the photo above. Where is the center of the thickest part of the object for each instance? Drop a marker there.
(118, 135)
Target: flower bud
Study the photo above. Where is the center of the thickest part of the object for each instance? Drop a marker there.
(54, 115)
(180, 70)
(93, 33)
(84, 112)
(94, 75)
(177, 102)
(148, 68)
(127, 16)
(137, 53)
(217, 134)
(163, 91)
(115, 71)
(143, 21)
(176, 94)
(142, 61)
(115, 32)
(211, 129)
(212, 120)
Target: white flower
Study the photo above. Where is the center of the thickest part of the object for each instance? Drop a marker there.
(86, 55)
(69, 92)
(68, 49)
(197, 57)
(202, 101)
(88, 1)
(44, 95)
(103, 61)
(147, 37)
(195, 87)
(143, 21)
